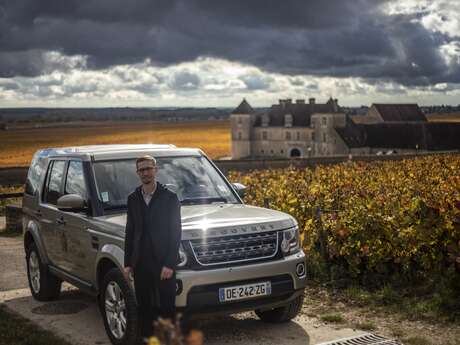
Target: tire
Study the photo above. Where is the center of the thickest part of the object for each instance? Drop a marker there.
(42, 283)
(117, 302)
(282, 314)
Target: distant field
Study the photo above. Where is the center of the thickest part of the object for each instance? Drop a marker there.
(18, 146)
(450, 117)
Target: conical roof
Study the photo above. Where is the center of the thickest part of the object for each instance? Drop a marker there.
(243, 108)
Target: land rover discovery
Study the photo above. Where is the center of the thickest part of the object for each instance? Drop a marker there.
(233, 257)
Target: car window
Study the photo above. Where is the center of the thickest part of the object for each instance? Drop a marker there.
(75, 181)
(36, 169)
(193, 179)
(54, 184)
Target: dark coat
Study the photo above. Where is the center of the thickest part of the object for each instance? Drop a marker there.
(166, 230)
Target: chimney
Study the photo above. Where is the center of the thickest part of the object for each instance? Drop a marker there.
(300, 101)
(288, 100)
(311, 100)
(336, 105)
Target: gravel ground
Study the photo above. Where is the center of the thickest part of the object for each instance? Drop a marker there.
(86, 325)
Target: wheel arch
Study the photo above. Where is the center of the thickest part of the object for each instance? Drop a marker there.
(110, 256)
(32, 235)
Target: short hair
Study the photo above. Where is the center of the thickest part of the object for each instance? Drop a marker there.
(146, 158)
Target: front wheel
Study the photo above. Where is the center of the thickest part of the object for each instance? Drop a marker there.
(282, 314)
(43, 284)
(118, 308)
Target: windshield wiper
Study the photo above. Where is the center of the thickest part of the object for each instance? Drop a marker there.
(189, 201)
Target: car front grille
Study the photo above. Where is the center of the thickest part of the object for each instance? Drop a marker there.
(236, 248)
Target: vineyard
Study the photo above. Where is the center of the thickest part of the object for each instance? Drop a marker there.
(370, 222)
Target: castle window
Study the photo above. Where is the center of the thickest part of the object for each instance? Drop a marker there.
(240, 121)
(324, 120)
(271, 151)
(264, 135)
(288, 120)
(261, 151)
(281, 151)
(312, 136)
(324, 137)
(288, 135)
(239, 136)
(298, 135)
(265, 120)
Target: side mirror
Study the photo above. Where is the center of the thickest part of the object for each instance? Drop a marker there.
(71, 203)
(240, 189)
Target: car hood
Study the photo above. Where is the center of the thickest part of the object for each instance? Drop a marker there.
(222, 219)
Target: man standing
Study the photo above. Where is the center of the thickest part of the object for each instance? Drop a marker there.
(153, 234)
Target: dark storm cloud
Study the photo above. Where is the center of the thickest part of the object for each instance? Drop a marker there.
(327, 38)
(8, 85)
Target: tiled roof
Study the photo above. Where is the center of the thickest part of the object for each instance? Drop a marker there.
(400, 112)
(243, 108)
(427, 135)
(301, 113)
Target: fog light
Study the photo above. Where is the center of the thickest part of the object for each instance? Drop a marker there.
(300, 269)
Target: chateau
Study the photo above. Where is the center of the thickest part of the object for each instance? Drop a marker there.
(300, 129)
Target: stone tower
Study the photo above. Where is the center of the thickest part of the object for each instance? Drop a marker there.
(242, 121)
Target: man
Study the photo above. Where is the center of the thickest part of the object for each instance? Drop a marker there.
(153, 234)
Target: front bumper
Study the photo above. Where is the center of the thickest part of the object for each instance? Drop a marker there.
(199, 289)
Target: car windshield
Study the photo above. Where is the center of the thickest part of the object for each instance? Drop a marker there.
(193, 179)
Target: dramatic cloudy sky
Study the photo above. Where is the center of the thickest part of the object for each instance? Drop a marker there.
(213, 53)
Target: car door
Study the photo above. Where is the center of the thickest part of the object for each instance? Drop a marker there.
(81, 249)
(51, 221)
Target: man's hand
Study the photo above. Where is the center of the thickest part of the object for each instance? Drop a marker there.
(166, 273)
(127, 271)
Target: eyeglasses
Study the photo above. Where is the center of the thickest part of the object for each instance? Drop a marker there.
(141, 170)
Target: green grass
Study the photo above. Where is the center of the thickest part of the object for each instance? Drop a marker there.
(15, 330)
(335, 318)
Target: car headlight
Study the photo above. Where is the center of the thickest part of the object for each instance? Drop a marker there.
(290, 243)
(182, 256)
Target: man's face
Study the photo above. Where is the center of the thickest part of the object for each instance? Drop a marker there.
(146, 171)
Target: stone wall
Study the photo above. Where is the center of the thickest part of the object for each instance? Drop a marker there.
(13, 218)
(278, 142)
(244, 165)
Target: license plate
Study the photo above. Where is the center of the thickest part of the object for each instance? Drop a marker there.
(244, 291)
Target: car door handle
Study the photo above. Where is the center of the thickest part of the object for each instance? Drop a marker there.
(60, 221)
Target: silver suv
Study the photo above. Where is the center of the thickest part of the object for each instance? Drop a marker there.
(233, 257)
